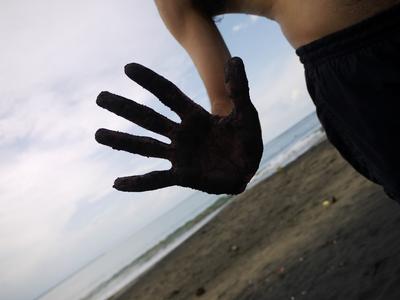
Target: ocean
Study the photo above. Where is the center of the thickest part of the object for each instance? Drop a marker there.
(110, 272)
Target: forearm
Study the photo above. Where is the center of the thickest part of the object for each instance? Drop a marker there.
(209, 53)
(203, 42)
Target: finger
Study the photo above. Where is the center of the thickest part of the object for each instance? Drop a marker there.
(236, 83)
(150, 181)
(145, 146)
(136, 113)
(163, 89)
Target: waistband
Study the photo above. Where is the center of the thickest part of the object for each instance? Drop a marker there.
(341, 42)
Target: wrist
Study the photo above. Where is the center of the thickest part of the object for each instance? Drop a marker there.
(221, 108)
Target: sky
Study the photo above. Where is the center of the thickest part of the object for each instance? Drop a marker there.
(57, 206)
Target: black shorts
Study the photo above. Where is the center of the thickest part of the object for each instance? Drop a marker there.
(353, 77)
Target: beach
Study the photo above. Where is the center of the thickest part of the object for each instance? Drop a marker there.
(316, 229)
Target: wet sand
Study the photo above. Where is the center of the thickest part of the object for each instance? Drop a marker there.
(279, 241)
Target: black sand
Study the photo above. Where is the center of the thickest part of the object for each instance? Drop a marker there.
(278, 241)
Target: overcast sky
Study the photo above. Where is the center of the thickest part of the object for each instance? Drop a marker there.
(57, 207)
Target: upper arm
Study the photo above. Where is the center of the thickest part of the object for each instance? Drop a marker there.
(175, 14)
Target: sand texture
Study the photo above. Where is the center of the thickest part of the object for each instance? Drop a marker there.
(280, 240)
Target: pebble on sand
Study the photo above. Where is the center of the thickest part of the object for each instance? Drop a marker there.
(200, 291)
(329, 201)
(234, 248)
(326, 203)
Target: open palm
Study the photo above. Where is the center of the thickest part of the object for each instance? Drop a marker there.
(210, 153)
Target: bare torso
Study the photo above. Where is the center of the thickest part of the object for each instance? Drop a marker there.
(303, 21)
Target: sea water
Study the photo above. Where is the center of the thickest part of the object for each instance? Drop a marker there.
(110, 272)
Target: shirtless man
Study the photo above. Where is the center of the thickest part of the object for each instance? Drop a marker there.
(351, 53)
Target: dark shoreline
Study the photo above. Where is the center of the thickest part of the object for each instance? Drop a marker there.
(278, 241)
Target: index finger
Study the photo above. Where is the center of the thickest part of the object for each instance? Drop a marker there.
(236, 83)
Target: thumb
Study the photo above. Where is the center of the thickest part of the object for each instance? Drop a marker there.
(236, 83)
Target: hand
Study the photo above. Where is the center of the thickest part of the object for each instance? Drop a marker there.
(210, 153)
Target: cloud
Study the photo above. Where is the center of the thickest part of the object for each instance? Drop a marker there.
(57, 59)
(57, 208)
(254, 19)
(280, 95)
(251, 19)
(239, 27)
